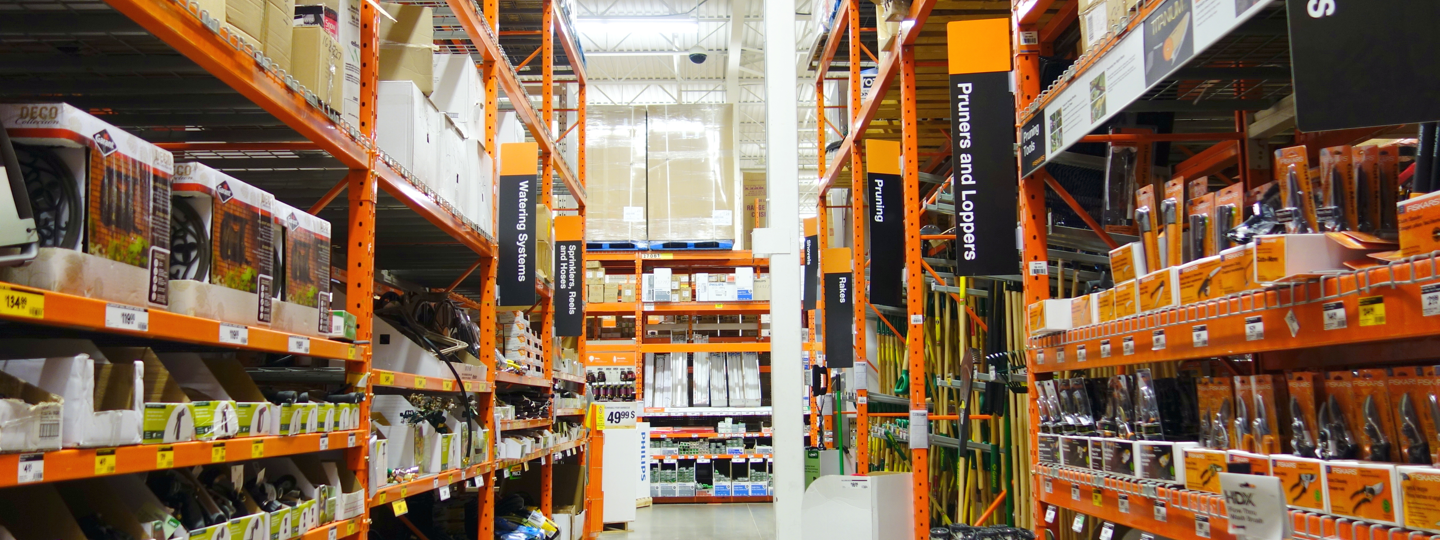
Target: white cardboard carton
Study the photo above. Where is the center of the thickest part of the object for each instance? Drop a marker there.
(70, 368)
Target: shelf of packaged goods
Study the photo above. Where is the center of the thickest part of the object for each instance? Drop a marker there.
(704, 499)
(562, 376)
(702, 435)
(395, 379)
(569, 412)
(77, 463)
(173, 23)
(611, 308)
(336, 529)
(1081, 491)
(704, 411)
(488, 43)
(679, 308)
(1385, 319)
(417, 200)
(763, 346)
(710, 456)
(524, 380)
(29, 305)
(721, 257)
(543, 452)
(429, 482)
(508, 425)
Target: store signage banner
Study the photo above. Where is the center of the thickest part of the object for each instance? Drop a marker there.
(839, 319)
(885, 192)
(519, 188)
(569, 289)
(810, 280)
(1171, 35)
(1363, 63)
(982, 148)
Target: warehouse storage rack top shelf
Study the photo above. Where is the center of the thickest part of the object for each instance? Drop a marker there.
(1217, 108)
(228, 100)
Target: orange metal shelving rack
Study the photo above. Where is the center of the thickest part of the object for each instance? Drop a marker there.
(239, 67)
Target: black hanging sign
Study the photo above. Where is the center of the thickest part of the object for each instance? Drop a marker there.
(839, 309)
(982, 127)
(886, 213)
(810, 280)
(569, 288)
(515, 275)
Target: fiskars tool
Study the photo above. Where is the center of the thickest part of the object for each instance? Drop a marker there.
(1222, 426)
(1242, 426)
(1375, 432)
(1417, 449)
(1332, 216)
(1265, 441)
(1365, 495)
(1335, 433)
(1303, 482)
(1303, 442)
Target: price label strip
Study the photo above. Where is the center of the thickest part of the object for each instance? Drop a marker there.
(1123, 503)
(1429, 299)
(1200, 336)
(104, 461)
(1157, 340)
(1160, 511)
(234, 334)
(1105, 348)
(16, 303)
(31, 468)
(123, 317)
(1254, 328)
(1372, 311)
(1080, 353)
(165, 458)
(1127, 345)
(1334, 315)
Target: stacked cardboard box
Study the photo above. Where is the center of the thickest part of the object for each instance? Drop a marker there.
(615, 174)
(317, 58)
(691, 173)
(407, 41)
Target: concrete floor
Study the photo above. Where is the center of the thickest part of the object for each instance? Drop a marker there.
(700, 522)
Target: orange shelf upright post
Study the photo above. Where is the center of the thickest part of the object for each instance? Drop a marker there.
(915, 285)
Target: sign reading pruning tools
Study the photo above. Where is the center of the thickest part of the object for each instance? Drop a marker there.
(982, 146)
(519, 187)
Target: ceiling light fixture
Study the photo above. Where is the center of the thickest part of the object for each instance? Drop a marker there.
(666, 24)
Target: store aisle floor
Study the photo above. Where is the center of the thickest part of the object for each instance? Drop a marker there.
(700, 522)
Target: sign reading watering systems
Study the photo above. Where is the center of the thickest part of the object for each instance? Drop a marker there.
(1362, 63)
(886, 192)
(515, 274)
(982, 147)
(569, 300)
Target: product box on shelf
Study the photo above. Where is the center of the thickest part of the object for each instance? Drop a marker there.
(342, 325)
(1258, 464)
(1159, 290)
(1203, 467)
(1161, 461)
(222, 253)
(408, 129)
(305, 305)
(1097, 453)
(615, 175)
(1048, 317)
(30, 417)
(1237, 269)
(1200, 280)
(102, 401)
(1118, 456)
(1304, 478)
(407, 41)
(1419, 487)
(1049, 448)
(1075, 451)
(691, 177)
(230, 395)
(1363, 490)
(1419, 217)
(317, 62)
(1104, 303)
(1081, 311)
(278, 32)
(1127, 262)
(106, 234)
(1127, 299)
(459, 92)
(1287, 257)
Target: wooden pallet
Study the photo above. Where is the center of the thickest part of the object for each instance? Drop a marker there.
(621, 526)
(642, 503)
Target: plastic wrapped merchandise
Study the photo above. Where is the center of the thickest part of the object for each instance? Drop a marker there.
(615, 174)
(691, 173)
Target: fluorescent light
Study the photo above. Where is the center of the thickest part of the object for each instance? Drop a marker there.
(638, 25)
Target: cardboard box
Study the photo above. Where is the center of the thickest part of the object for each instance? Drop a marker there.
(1304, 478)
(1127, 262)
(1049, 448)
(408, 129)
(1237, 270)
(1118, 457)
(342, 325)
(124, 188)
(1081, 311)
(1049, 317)
(30, 417)
(691, 178)
(406, 45)
(237, 218)
(1104, 305)
(278, 34)
(459, 92)
(102, 402)
(1127, 303)
(1157, 460)
(247, 16)
(1363, 490)
(1280, 258)
(1420, 498)
(306, 240)
(1200, 280)
(318, 63)
(225, 387)
(1419, 218)
(348, 12)
(1203, 467)
(615, 174)
(1075, 451)
(1159, 290)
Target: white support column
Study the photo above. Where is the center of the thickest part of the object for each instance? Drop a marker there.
(739, 9)
(782, 169)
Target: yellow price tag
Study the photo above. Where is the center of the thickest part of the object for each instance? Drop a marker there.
(105, 461)
(447, 385)
(469, 386)
(21, 304)
(165, 459)
(217, 453)
(404, 492)
(421, 382)
(350, 527)
(399, 508)
(387, 379)
(350, 352)
(1372, 311)
(380, 499)
(1096, 497)
(719, 306)
(257, 449)
(667, 255)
